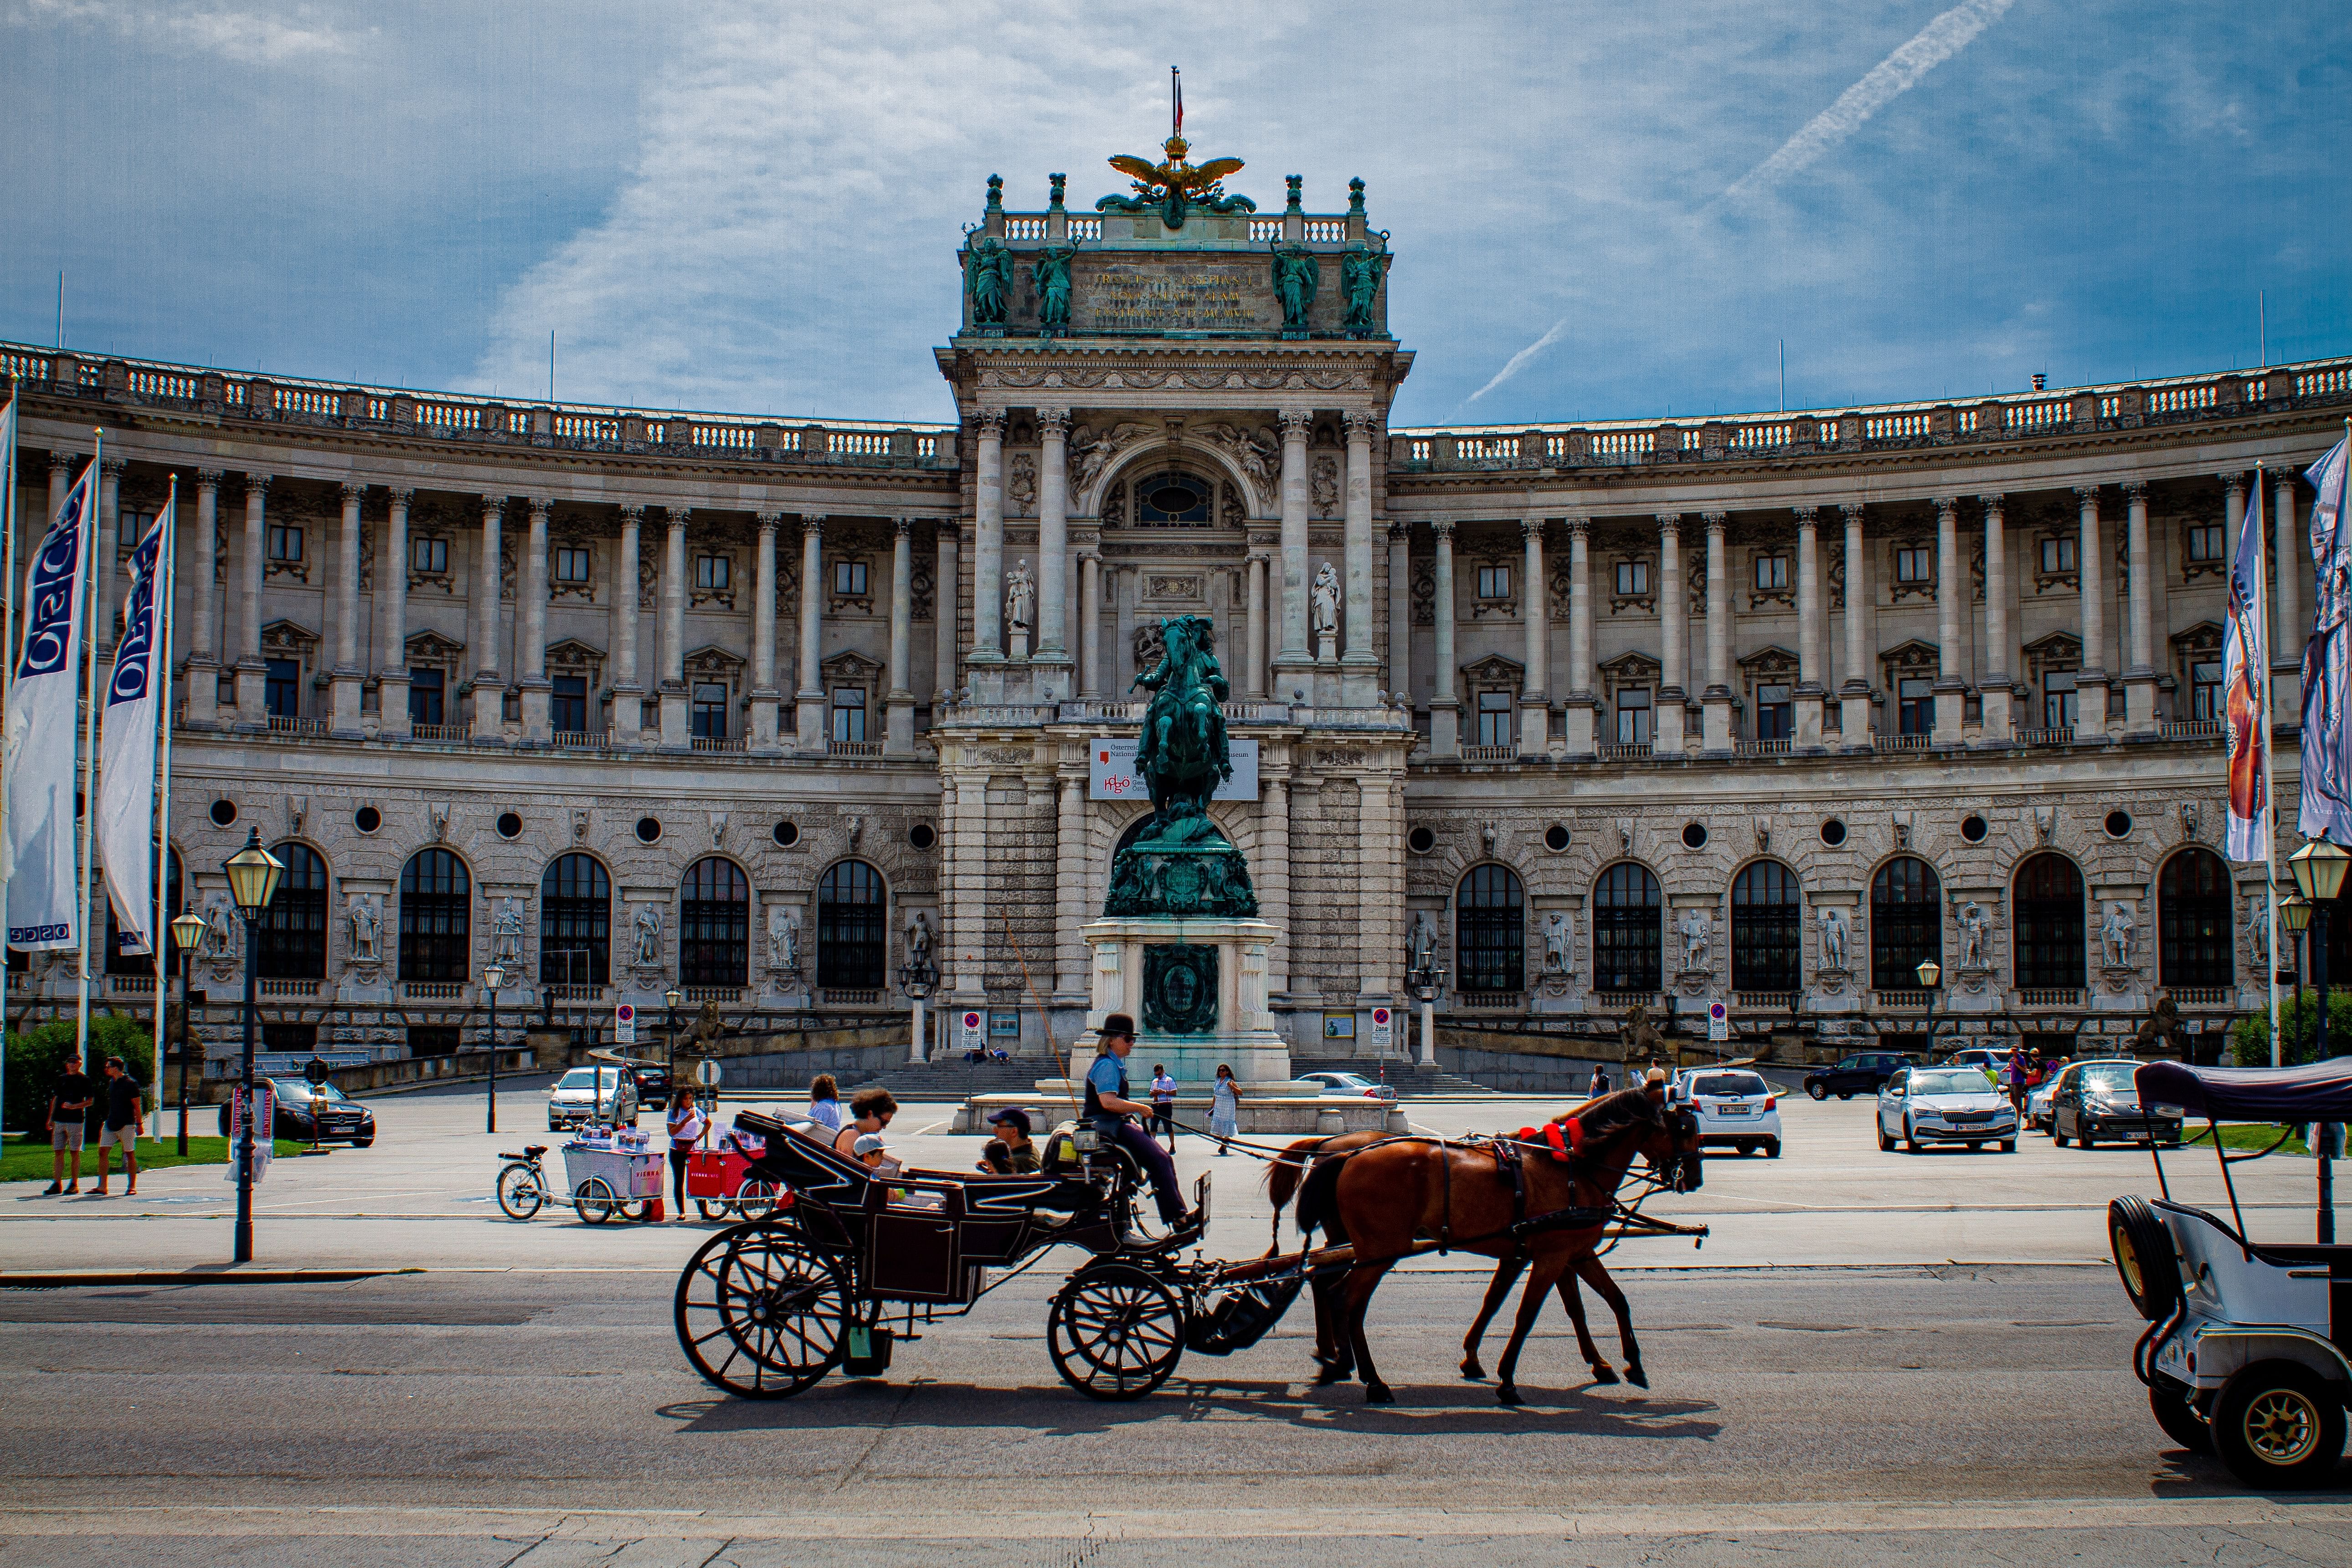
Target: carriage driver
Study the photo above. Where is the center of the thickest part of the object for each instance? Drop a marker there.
(1108, 1110)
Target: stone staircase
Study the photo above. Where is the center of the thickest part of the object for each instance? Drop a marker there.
(1410, 1080)
(933, 1082)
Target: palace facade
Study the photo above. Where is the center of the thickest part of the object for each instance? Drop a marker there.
(1764, 710)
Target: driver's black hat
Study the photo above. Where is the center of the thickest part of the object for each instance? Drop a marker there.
(1118, 1024)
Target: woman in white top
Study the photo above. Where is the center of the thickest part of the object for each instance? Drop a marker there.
(824, 1103)
(685, 1125)
(1224, 1107)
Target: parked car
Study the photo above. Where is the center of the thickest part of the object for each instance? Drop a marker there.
(1736, 1109)
(1991, 1058)
(1859, 1074)
(1920, 1106)
(2038, 1097)
(321, 1115)
(653, 1086)
(1346, 1083)
(2099, 1099)
(598, 1094)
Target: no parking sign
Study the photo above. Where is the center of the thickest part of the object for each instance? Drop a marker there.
(1718, 1021)
(969, 1023)
(624, 1025)
(1383, 1027)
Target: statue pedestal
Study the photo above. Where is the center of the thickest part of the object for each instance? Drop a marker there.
(1196, 989)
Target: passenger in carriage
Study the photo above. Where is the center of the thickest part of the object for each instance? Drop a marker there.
(870, 1111)
(1010, 1153)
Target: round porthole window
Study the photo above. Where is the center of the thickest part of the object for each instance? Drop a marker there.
(509, 825)
(786, 834)
(1420, 841)
(367, 819)
(224, 813)
(1973, 828)
(923, 836)
(1693, 835)
(1556, 837)
(1833, 832)
(2119, 825)
(648, 829)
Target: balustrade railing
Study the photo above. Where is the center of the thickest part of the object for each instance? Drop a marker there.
(1766, 1001)
(1900, 742)
(440, 733)
(2049, 996)
(2201, 995)
(1624, 752)
(720, 743)
(583, 740)
(1489, 753)
(1491, 1000)
(283, 726)
(2063, 737)
(2190, 730)
(1762, 748)
(853, 747)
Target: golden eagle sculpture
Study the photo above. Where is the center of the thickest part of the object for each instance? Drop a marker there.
(1174, 184)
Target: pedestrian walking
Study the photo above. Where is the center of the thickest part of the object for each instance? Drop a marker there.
(1163, 1105)
(1600, 1084)
(824, 1103)
(123, 1119)
(1224, 1107)
(685, 1125)
(69, 1102)
(2013, 1073)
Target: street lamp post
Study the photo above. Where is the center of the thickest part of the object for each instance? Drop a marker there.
(493, 976)
(253, 875)
(916, 977)
(672, 997)
(2319, 866)
(1930, 973)
(2295, 914)
(188, 935)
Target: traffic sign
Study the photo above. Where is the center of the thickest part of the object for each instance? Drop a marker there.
(1383, 1028)
(1718, 1021)
(969, 1023)
(624, 1025)
(706, 1073)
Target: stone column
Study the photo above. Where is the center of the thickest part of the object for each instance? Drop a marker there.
(251, 566)
(2292, 560)
(487, 718)
(1122, 601)
(809, 700)
(1444, 697)
(628, 694)
(764, 695)
(947, 602)
(531, 586)
(899, 720)
(61, 475)
(1359, 666)
(1583, 705)
(672, 687)
(1811, 687)
(1271, 870)
(988, 547)
(1400, 614)
(391, 619)
(1718, 693)
(349, 675)
(1255, 686)
(1295, 658)
(2091, 684)
(203, 644)
(2140, 673)
(1951, 680)
(1090, 680)
(1674, 630)
(1853, 692)
(1535, 624)
(1992, 683)
(1053, 544)
(1074, 900)
(107, 556)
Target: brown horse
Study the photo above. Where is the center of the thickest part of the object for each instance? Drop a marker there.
(1383, 1196)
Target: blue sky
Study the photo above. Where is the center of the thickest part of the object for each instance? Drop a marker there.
(755, 207)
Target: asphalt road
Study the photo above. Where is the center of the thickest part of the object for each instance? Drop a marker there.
(538, 1418)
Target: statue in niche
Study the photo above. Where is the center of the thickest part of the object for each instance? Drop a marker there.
(1974, 927)
(2115, 935)
(1326, 486)
(1360, 271)
(1424, 942)
(506, 934)
(988, 277)
(367, 928)
(1020, 486)
(1836, 939)
(1051, 274)
(783, 938)
(647, 925)
(1323, 603)
(1020, 599)
(1558, 935)
(1298, 274)
(217, 937)
(2257, 934)
(1698, 932)
(918, 940)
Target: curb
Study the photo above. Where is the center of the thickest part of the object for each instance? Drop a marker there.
(217, 1275)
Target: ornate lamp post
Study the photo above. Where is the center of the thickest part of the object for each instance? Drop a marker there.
(916, 978)
(672, 996)
(2319, 866)
(1930, 973)
(493, 976)
(187, 935)
(2295, 914)
(253, 876)
(1422, 979)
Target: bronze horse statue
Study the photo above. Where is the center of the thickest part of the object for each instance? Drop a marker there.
(1183, 753)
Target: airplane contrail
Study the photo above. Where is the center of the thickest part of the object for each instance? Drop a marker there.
(1521, 358)
(1895, 75)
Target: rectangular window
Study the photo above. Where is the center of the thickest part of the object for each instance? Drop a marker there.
(709, 710)
(1914, 564)
(1632, 579)
(712, 571)
(1776, 716)
(849, 713)
(574, 565)
(2205, 690)
(1915, 700)
(281, 690)
(2057, 556)
(2205, 541)
(1494, 582)
(425, 693)
(429, 556)
(1634, 716)
(567, 707)
(849, 579)
(2058, 700)
(1772, 571)
(1494, 726)
(285, 542)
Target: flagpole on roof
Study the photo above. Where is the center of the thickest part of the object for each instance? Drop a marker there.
(92, 522)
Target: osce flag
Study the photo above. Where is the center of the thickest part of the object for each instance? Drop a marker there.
(2326, 803)
(44, 888)
(2245, 684)
(126, 747)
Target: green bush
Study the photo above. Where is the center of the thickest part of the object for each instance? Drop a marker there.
(38, 1058)
(2250, 1036)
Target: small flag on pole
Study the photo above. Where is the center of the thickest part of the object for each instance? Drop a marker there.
(2326, 803)
(2245, 687)
(126, 749)
(44, 724)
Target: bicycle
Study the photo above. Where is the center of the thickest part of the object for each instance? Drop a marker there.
(522, 1185)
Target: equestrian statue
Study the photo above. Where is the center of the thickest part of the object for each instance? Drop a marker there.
(1182, 863)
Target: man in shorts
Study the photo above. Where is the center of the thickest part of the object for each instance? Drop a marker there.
(69, 1102)
(123, 1114)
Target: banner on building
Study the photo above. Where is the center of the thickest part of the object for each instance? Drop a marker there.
(126, 747)
(43, 723)
(2245, 693)
(2325, 808)
(1111, 775)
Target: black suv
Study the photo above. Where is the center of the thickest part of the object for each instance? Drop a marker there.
(1859, 1074)
(653, 1086)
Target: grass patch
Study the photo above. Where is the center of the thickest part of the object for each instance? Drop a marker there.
(22, 1160)
(2244, 1137)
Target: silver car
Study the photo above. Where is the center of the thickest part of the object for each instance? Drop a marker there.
(1920, 1106)
(585, 1096)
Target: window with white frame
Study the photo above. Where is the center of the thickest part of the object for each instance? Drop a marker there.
(1771, 572)
(2058, 554)
(574, 564)
(849, 713)
(713, 573)
(849, 579)
(1632, 579)
(429, 557)
(1914, 564)
(1634, 716)
(1495, 719)
(1494, 582)
(285, 543)
(2204, 543)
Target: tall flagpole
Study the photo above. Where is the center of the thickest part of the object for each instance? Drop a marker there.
(97, 542)
(7, 680)
(2270, 760)
(159, 681)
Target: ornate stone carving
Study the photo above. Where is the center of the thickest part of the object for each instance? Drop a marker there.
(1324, 483)
(1021, 482)
(1252, 449)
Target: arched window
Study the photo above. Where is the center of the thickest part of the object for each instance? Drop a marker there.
(1767, 911)
(294, 929)
(1907, 923)
(2192, 912)
(1489, 931)
(714, 924)
(852, 945)
(436, 918)
(118, 961)
(1626, 955)
(1172, 498)
(576, 923)
(2049, 895)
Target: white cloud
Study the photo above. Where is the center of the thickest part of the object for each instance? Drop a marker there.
(248, 36)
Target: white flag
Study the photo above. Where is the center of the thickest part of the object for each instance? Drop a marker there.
(126, 748)
(44, 721)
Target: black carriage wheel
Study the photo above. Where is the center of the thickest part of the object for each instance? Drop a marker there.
(758, 1313)
(2169, 1400)
(1116, 1333)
